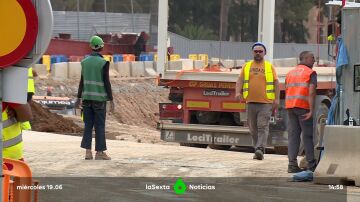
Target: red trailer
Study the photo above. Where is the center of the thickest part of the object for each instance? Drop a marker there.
(203, 110)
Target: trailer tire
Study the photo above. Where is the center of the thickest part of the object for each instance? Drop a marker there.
(193, 145)
(319, 125)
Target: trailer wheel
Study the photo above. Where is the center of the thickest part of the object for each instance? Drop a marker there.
(282, 150)
(319, 127)
(219, 147)
(193, 145)
(319, 124)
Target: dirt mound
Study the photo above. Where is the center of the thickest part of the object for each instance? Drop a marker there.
(46, 121)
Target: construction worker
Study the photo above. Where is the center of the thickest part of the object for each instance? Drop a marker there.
(94, 91)
(258, 85)
(12, 115)
(31, 91)
(300, 96)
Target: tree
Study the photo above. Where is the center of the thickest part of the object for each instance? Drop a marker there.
(291, 14)
(196, 13)
(243, 20)
(224, 16)
(196, 32)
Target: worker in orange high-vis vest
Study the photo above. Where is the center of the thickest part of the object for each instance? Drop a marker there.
(258, 85)
(300, 96)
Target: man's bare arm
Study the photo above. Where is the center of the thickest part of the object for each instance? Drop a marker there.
(238, 88)
(312, 96)
(23, 113)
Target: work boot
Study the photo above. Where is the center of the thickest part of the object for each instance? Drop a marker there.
(312, 166)
(102, 156)
(88, 155)
(294, 169)
(259, 154)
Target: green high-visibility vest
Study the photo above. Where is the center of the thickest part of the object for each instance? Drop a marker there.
(270, 87)
(92, 72)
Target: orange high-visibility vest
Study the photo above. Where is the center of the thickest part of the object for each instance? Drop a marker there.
(297, 87)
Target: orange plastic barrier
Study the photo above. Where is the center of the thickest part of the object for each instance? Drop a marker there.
(128, 57)
(22, 176)
(75, 58)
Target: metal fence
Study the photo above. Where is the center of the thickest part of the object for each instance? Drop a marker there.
(82, 25)
(240, 50)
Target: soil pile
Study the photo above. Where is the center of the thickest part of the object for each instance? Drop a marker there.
(46, 121)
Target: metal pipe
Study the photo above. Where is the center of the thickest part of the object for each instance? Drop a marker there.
(266, 26)
(105, 10)
(162, 35)
(78, 19)
(132, 16)
(341, 104)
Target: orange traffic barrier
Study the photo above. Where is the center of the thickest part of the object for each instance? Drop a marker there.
(75, 58)
(128, 57)
(21, 176)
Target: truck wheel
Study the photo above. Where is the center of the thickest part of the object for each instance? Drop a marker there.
(219, 147)
(319, 127)
(193, 145)
(319, 124)
(282, 150)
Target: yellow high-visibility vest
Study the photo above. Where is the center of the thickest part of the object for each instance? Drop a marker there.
(12, 138)
(26, 125)
(31, 84)
(270, 87)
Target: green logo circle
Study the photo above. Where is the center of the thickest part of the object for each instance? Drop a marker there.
(179, 186)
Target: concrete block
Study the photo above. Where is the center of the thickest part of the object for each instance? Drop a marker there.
(175, 65)
(137, 69)
(112, 70)
(285, 62)
(123, 69)
(41, 70)
(149, 68)
(214, 61)
(59, 71)
(340, 160)
(74, 70)
(199, 64)
(228, 63)
(187, 64)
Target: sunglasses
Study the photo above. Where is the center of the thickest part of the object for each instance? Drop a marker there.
(258, 51)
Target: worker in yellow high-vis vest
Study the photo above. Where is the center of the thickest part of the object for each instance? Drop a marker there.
(12, 115)
(31, 91)
(258, 85)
